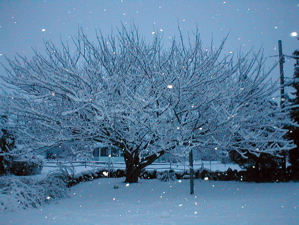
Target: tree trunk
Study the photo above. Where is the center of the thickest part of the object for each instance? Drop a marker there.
(133, 168)
(134, 165)
(132, 173)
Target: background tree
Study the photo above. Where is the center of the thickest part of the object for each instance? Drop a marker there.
(144, 98)
(294, 131)
(263, 166)
(7, 144)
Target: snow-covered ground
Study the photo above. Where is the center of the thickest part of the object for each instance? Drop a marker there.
(110, 201)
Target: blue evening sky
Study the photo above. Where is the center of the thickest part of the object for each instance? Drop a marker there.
(250, 23)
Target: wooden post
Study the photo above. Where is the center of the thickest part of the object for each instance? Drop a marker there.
(191, 172)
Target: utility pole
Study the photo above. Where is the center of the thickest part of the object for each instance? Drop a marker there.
(282, 98)
(281, 70)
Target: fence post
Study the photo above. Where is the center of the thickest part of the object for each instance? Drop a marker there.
(191, 172)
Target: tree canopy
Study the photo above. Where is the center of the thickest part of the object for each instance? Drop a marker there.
(144, 98)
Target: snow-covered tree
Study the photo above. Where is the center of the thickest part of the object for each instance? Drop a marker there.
(144, 98)
(294, 131)
(7, 143)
